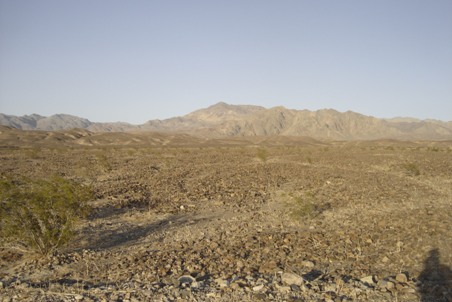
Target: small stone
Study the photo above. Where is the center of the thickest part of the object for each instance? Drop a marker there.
(258, 288)
(368, 279)
(385, 259)
(185, 294)
(330, 288)
(308, 264)
(390, 285)
(401, 278)
(78, 297)
(295, 288)
(291, 278)
(221, 282)
(409, 290)
(382, 284)
(282, 289)
(186, 279)
(260, 296)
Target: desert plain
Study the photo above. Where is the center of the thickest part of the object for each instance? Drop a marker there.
(180, 218)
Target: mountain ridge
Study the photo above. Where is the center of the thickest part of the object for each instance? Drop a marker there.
(226, 120)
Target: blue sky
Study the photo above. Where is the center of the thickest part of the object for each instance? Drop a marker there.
(137, 60)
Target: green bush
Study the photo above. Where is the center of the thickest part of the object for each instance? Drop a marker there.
(41, 214)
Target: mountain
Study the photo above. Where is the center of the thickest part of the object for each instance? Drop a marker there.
(60, 122)
(222, 120)
(212, 116)
(26, 122)
(225, 120)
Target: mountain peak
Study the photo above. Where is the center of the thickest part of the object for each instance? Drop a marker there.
(219, 104)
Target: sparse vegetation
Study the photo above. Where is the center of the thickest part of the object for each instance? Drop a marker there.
(303, 208)
(103, 161)
(412, 169)
(218, 212)
(41, 214)
(262, 154)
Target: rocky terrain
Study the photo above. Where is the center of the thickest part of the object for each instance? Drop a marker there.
(224, 120)
(177, 218)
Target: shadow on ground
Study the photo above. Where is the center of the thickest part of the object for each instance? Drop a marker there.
(435, 280)
(127, 233)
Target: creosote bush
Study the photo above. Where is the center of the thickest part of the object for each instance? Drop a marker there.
(262, 154)
(41, 214)
(412, 169)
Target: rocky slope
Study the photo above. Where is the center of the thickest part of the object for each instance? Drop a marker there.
(224, 120)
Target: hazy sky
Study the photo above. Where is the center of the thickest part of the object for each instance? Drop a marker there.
(137, 60)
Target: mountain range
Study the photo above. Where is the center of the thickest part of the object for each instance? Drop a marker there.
(225, 120)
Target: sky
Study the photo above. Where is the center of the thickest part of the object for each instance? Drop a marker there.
(138, 60)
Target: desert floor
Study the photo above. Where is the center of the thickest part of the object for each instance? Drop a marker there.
(241, 220)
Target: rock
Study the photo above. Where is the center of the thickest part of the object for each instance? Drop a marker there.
(390, 285)
(401, 278)
(385, 259)
(221, 282)
(268, 267)
(409, 290)
(295, 288)
(368, 279)
(308, 264)
(78, 297)
(282, 289)
(185, 294)
(291, 279)
(258, 288)
(330, 287)
(186, 279)
(382, 284)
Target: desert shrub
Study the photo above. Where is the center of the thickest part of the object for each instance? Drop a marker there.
(103, 161)
(303, 208)
(41, 214)
(412, 169)
(262, 154)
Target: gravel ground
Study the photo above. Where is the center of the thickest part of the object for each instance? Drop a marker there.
(240, 221)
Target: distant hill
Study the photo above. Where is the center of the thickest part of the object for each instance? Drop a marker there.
(60, 122)
(225, 120)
